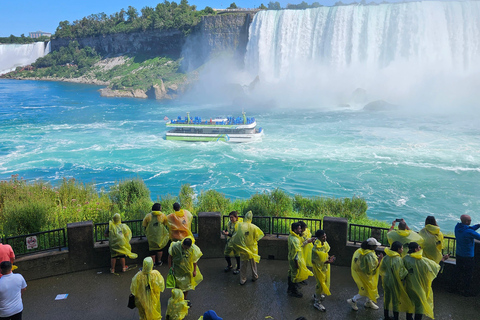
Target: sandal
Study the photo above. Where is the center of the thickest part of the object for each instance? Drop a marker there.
(112, 270)
(125, 269)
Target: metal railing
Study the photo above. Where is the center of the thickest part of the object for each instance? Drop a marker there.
(37, 242)
(278, 225)
(358, 233)
(135, 225)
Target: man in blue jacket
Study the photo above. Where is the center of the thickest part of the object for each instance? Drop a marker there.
(465, 235)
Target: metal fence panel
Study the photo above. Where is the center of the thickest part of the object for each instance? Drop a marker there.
(37, 242)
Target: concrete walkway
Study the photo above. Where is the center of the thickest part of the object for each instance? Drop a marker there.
(96, 294)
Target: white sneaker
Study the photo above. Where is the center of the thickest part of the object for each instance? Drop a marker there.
(319, 306)
(322, 297)
(352, 304)
(371, 304)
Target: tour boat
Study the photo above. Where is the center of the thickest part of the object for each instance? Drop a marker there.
(228, 129)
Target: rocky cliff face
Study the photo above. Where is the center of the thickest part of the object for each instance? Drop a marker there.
(215, 35)
(150, 42)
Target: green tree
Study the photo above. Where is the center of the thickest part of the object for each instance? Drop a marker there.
(132, 14)
(233, 6)
(274, 5)
(262, 6)
(209, 10)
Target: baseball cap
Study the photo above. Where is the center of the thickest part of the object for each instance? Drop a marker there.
(211, 315)
(373, 242)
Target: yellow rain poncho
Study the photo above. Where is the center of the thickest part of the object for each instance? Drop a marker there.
(421, 272)
(157, 233)
(307, 249)
(393, 273)
(183, 261)
(119, 236)
(404, 237)
(433, 242)
(321, 270)
(180, 225)
(365, 273)
(295, 256)
(177, 308)
(245, 240)
(146, 287)
(231, 228)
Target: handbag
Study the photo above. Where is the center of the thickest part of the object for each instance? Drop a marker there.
(131, 301)
(171, 279)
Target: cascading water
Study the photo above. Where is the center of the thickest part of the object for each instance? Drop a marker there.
(426, 51)
(19, 55)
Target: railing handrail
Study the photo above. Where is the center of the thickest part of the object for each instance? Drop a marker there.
(20, 248)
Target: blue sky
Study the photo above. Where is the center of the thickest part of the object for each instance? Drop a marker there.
(24, 16)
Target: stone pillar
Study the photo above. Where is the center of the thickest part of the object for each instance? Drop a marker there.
(337, 236)
(209, 234)
(80, 245)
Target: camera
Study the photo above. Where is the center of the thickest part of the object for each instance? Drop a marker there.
(398, 220)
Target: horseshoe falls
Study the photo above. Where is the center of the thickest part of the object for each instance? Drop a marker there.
(411, 54)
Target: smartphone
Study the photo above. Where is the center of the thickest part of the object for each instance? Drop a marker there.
(398, 220)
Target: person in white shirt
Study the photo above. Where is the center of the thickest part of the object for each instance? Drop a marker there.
(12, 286)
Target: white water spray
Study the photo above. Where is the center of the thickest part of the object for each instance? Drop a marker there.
(412, 54)
(19, 55)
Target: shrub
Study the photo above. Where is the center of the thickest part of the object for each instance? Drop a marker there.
(132, 197)
(213, 201)
(186, 197)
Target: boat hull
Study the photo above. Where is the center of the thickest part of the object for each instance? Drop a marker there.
(232, 138)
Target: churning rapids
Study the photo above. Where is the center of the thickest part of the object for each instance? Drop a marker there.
(416, 156)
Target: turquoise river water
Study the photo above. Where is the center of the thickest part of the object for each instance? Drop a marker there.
(404, 165)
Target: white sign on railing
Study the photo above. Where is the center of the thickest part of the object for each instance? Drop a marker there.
(32, 242)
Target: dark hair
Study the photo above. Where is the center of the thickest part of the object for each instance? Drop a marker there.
(187, 242)
(233, 213)
(176, 206)
(402, 225)
(302, 224)
(319, 233)
(295, 226)
(396, 245)
(365, 245)
(157, 207)
(431, 220)
(412, 246)
(6, 266)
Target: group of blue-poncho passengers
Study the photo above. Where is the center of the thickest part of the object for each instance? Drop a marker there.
(408, 268)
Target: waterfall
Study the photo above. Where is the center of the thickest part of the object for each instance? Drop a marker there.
(19, 55)
(415, 49)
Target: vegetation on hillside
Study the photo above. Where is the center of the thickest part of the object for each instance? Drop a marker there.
(37, 206)
(166, 15)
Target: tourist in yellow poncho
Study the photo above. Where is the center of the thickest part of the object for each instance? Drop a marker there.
(183, 258)
(421, 272)
(404, 235)
(393, 273)
(321, 268)
(364, 267)
(433, 240)
(177, 308)
(229, 250)
(298, 270)
(146, 286)
(119, 236)
(157, 233)
(179, 223)
(245, 242)
(307, 245)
